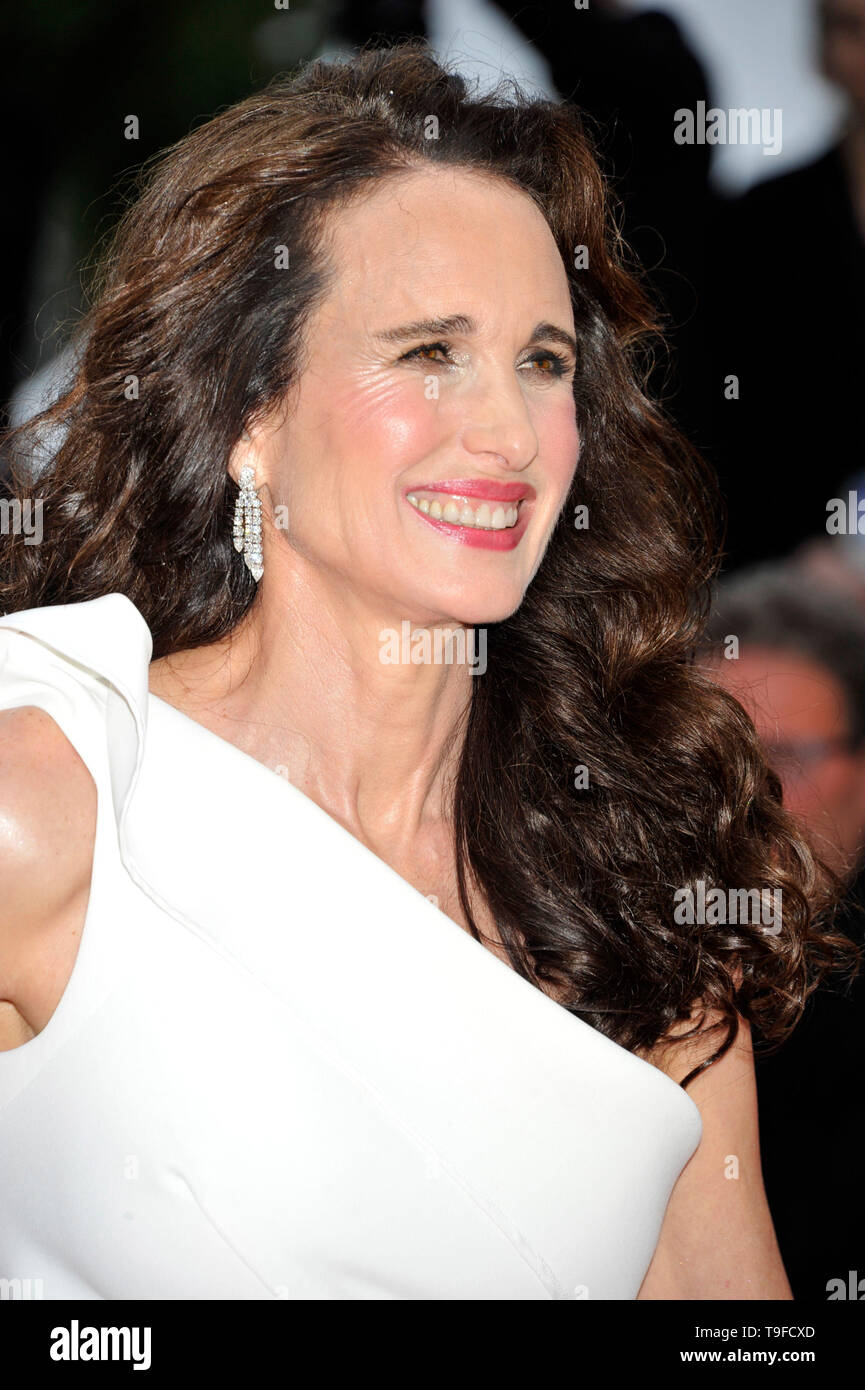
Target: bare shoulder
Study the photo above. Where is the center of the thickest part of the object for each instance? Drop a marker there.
(717, 1239)
(47, 834)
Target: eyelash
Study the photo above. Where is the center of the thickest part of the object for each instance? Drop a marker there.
(560, 368)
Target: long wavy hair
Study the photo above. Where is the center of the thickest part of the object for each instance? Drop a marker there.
(596, 669)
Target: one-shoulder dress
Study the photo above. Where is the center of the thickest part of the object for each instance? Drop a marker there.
(278, 1070)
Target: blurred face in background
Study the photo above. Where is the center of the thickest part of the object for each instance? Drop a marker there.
(800, 713)
(842, 47)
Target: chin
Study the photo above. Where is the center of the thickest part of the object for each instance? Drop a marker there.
(458, 601)
(475, 612)
(492, 613)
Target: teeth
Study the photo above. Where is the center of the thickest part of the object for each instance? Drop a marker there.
(463, 514)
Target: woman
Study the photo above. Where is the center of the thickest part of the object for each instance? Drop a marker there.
(379, 335)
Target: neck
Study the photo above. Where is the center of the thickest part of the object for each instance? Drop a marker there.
(299, 685)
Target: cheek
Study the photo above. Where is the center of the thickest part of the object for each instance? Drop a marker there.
(389, 423)
(836, 785)
(821, 792)
(804, 799)
(559, 443)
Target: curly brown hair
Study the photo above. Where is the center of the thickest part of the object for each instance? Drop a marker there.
(596, 668)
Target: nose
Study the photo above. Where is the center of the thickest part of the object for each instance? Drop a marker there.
(498, 422)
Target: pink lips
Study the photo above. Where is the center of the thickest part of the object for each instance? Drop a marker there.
(484, 488)
(505, 539)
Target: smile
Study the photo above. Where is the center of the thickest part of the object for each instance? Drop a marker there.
(484, 516)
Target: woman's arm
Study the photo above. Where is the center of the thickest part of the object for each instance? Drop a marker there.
(717, 1238)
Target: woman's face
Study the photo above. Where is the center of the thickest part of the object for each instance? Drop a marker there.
(471, 414)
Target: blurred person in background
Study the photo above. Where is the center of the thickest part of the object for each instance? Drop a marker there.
(784, 315)
(800, 674)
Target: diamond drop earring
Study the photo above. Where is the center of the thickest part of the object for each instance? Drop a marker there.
(247, 523)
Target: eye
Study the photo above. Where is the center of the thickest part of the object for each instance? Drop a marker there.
(426, 347)
(554, 364)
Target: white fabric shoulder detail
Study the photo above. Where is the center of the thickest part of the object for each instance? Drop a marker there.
(86, 664)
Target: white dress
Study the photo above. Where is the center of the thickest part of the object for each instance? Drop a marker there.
(278, 1070)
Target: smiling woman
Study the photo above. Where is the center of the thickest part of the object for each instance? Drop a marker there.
(343, 372)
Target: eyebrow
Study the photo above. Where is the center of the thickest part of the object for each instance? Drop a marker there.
(462, 324)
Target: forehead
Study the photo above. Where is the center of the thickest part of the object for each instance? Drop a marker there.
(452, 233)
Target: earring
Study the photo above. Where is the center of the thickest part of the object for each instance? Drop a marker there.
(247, 523)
